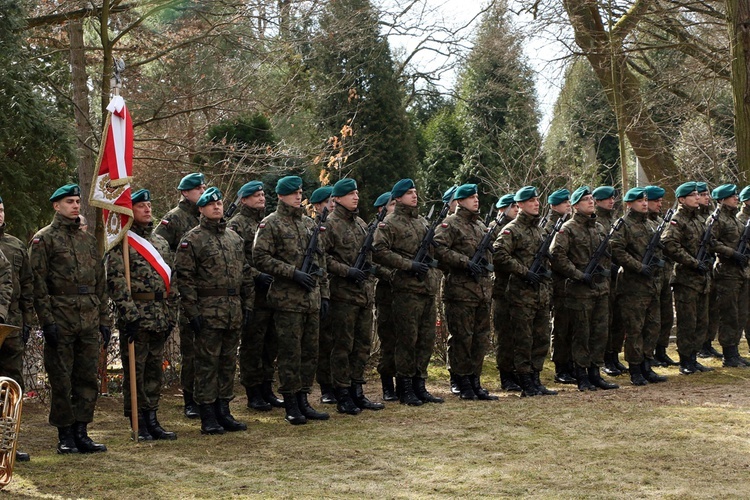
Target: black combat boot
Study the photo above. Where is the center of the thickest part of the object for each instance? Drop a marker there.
(308, 411)
(482, 393)
(66, 444)
(389, 392)
(191, 408)
(421, 391)
(582, 376)
(732, 357)
(465, 389)
(636, 377)
(708, 351)
(610, 366)
(327, 395)
(540, 387)
(649, 374)
(618, 365)
(293, 415)
(344, 402)
(661, 355)
(22, 457)
(143, 433)
(528, 387)
(406, 392)
(686, 365)
(225, 418)
(255, 400)
(455, 384)
(83, 442)
(699, 367)
(209, 424)
(155, 428)
(357, 392)
(266, 392)
(509, 382)
(562, 374)
(595, 377)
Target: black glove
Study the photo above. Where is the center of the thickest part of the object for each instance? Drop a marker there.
(587, 278)
(475, 269)
(247, 317)
(324, 306)
(130, 331)
(356, 275)
(106, 334)
(304, 280)
(646, 271)
(196, 324)
(25, 333)
(51, 334)
(263, 281)
(533, 277)
(740, 258)
(702, 267)
(419, 267)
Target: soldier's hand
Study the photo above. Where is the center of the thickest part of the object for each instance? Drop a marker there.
(51, 333)
(304, 280)
(196, 324)
(646, 271)
(419, 267)
(356, 275)
(106, 334)
(131, 330)
(587, 278)
(324, 306)
(702, 267)
(475, 269)
(740, 258)
(263, 281)
(247, 317)
(25, 333)
(533, 278)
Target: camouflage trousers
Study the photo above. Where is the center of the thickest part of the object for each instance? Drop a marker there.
(641, 321)
(298, 349)
(666, 307)
(531, 331)
(258, 348)
(714, 311)
(617, 332)
(325, 346)
(415, 336)
(187, 355)
(560, 337)
(215, 364)
(72, 368)
(352, 340)
(731, 299)
(503, 335)
(386, 334)
(11, 358)
(692, 319)
(589, 318)
(469, 339)
(149, 356)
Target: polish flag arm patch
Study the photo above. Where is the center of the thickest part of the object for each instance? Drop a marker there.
(164, 222)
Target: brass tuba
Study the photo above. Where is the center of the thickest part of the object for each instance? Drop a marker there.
(11, 402)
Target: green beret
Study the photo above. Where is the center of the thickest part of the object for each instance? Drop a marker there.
(382, 200)
(685, 189)
(288, 185)
(464, 191)
(603, 193)
(579, 193)
(209, 195)
(525, 193)
(654, 192)
(505, 201)
(65, 191)
(449, 194)
(321, 194)
(344, 187)
(250, 188)
(191, 181)
(635, 193)
(701, 187)
(724, 191)
(558, 197)
(401, 187)
(141, 195)
(745, 194)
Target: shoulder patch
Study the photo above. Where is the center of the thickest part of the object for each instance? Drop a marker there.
(381, 224)
(444, 224)
(506, 231)
(261, 225)
(184, 244)
(673, 222)
(560, 231)
(164, 222)
(36, 241)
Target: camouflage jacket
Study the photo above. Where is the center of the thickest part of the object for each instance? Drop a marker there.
(156, 314)
(628, 248)
(279, 249)
(571, 251)
(210, 275)
(606, 217)
(343, 238)
(500, 281)
(457, 239)
(62, 256)
(726, 232)
(21, 309)
(396, 242)
(177, 222)
(681, 240)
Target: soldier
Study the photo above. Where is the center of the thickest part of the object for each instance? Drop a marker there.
(217, 296)
(147, 313)
(172, 228)
(731, 274)
(259, 342)
(586, 299)
(320, 199)
(500, 307)
(468, 291)
(70, 298)
(20, 308)
(448, 197)
(638, 288)
(299, 299)
(397, 241)
(528, 293)
(707, 350)
(452, 203)
(352, 297)
(690, 281)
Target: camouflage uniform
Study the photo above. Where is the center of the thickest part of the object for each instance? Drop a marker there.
(666, 306)
(501, 315)
(280, 244)
(560, 336)
(587, 306)
(743, 215)
(70, 291)
(21, 308)
(213, 285)
(148, 301)
(615, 331)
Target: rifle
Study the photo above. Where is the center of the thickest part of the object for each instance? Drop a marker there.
(655, 242)
(543, 221)
(488, 217)
(593, 266)
(232, 208)
(742, 247)
(423, 253)
(537, 265)
(308, 264)
(361, 261)
(703, 255)
(483, 246)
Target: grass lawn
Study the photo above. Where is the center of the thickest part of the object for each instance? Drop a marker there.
(689, 437)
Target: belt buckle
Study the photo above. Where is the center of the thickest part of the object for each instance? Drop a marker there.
(83, 289)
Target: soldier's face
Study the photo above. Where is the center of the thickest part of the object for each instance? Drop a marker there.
(654, 206)
(704, 198)
(409, 198)
(349, 201)
(691, 200)
(586, 205)
(470, 203)
(292, 199)
(530, 206)
(213, 210)
(2, 213)
(142, 213)
(640, 205)
(732, 201)
(69, 207)
(511, 211)
(257, 200)
(607, 204)
(192, 195)
(562, 208)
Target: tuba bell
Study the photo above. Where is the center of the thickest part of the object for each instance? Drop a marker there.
(11, 402)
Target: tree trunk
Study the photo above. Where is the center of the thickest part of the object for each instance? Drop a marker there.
(738, 22)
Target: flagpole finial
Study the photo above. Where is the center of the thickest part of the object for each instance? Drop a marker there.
(115, 83)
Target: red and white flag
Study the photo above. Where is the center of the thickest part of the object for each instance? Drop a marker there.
(152, 256)
(110, 189)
